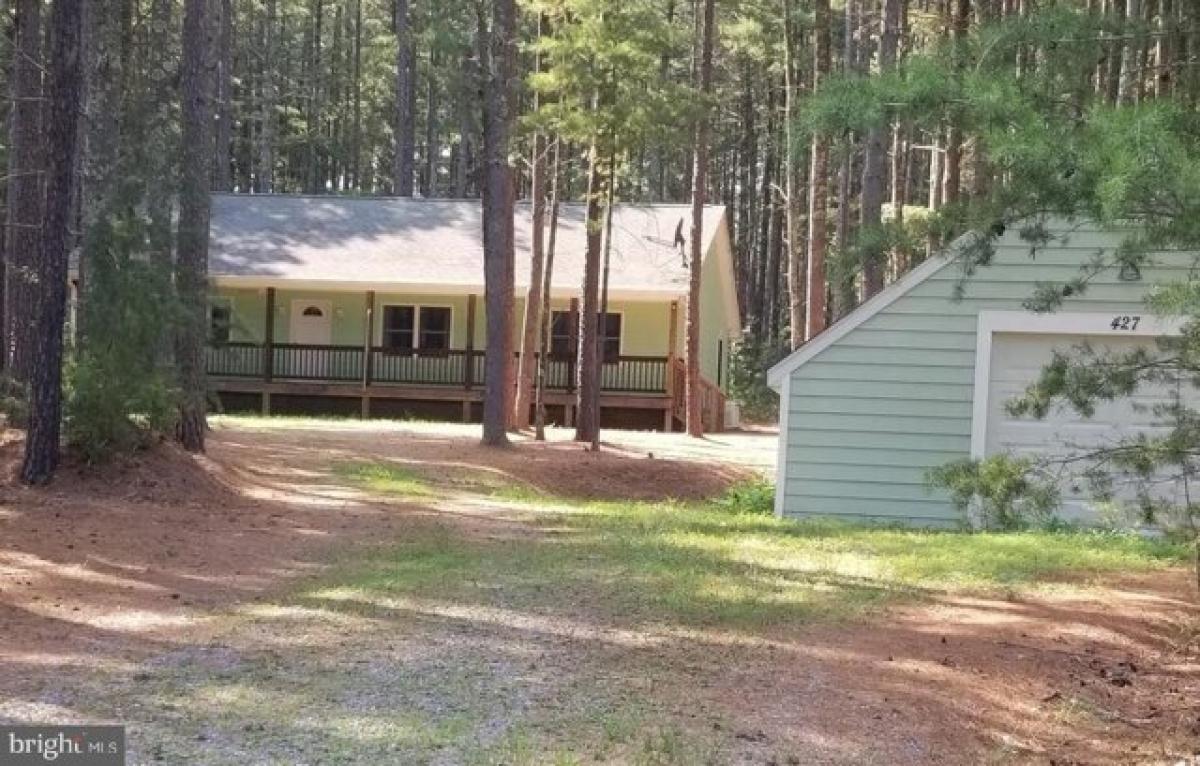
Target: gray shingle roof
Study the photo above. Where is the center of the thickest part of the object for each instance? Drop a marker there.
(431, 242)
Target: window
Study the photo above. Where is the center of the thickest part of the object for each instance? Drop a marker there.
(220, 320)
(435, 328)
(611, 327)
(563, 333)
(398, 327)
(313, 311)
(407, 328)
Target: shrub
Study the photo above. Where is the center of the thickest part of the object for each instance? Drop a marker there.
(1004, 492)
(14, 402)
(119, 395)
(756, 496)
(749, 361)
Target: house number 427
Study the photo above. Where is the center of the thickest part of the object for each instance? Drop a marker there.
(1125, 323)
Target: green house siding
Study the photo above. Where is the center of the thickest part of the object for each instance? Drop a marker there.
(870, 414)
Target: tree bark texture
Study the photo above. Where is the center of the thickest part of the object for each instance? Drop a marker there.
(875, 156)
(818, 188)
(795, 255)
(191, 263)
(587, 370)
(223, 155)
(533, 295)
(695, 423)
(24, 228)
(547, 281)
(405, 124)
(45, 391)
(498, 244)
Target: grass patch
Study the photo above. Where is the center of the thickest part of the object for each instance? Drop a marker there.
(724, 563)
(384, 479)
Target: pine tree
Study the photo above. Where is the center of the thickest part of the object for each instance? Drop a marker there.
(191, 265)
(24, 228)
(498, 51)
(64, 95)
(818, 187)
(405, 125)
(695, 423)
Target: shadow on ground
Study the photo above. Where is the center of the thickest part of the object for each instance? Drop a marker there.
(255, 605)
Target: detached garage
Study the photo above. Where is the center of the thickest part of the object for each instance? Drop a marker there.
(915, 378)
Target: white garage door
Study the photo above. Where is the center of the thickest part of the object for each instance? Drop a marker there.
(1016, 360)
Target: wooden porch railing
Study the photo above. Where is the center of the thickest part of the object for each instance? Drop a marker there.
(455, 367)
(712, 398)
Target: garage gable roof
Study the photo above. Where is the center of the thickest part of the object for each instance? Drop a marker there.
(868, 309)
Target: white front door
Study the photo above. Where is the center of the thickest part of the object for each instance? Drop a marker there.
(311, 324)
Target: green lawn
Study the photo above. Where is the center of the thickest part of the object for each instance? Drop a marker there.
(715, 564)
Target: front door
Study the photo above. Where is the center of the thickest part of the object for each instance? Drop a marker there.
(311, 325)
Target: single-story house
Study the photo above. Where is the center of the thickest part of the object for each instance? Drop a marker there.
(373, 306)
(917, 377)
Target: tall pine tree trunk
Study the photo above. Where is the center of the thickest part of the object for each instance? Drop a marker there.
(818, 203)
(432, 147)
(695, 422)
(100, 134)
(537, 257)
(156, 153)
(45, 391)
(875, 156)
(356, 136)
(587, 419)
(223, 154)
(1130, 75)
(191, 263)
(405, 124)
(266, 148)
(24, 227)
(313, 182)
(533, 295)
(499, 51)
(791, 173)
(952, 188)
(546, 315)
(747, 181)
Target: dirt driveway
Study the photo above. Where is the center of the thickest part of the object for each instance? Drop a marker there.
(204, 604)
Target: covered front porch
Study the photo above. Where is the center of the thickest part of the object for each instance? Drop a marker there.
(423, 356)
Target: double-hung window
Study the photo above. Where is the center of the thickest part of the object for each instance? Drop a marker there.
(416, 328)
(564, 334)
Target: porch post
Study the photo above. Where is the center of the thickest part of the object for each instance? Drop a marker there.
(673, 331)
(469, 359)
(368, 335)
(269, 337)
(469, 363)
(572, 347)
(669, 370)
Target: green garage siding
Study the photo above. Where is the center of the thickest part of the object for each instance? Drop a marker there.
(868, 415)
